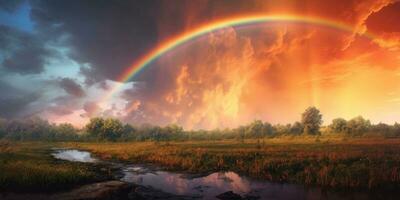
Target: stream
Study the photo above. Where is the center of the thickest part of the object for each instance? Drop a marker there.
(209, 186)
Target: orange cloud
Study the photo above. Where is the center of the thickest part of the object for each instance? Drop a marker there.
(272, 72)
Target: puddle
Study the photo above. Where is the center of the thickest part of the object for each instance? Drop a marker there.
(74, 155)
(216, 183)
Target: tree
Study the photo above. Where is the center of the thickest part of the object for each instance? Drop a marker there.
(382, 129)
(281, 129)
(3, 126)
(240, 133)
(129, 133)
(112, 129)
(338, 125)
(268, 129)
(358, 126)
(254, 130)
(396, 129)
(65, 132)
(296, 128)
(94, 127)
(174, 132)
(311, 120)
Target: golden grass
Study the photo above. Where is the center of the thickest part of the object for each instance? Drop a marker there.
(330, 161)
(28, 166)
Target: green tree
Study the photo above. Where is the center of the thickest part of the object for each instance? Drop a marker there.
(65, 131)
(112, 129)
(3, 126)
(268, 130)
(357, 126)
(396, 129)
(281, 129)
(94, 127)
(338, 125)
(255, 129)
(296, 128)
(173, 132)
(311, 120)
(129, 133)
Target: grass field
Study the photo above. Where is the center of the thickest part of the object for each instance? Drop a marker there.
(331, 162)
(29, 166)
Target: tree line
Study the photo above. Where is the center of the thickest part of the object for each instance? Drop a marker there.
(100, 129)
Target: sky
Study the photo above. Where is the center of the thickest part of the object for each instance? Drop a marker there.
(62, 61)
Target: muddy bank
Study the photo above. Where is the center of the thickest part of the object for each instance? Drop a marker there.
(118, 190)
(108, 190)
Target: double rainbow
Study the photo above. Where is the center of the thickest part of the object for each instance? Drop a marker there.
(180, 39)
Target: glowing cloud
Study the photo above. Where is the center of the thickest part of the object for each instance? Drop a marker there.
(170, 44)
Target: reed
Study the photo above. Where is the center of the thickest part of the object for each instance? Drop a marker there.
(328, 162)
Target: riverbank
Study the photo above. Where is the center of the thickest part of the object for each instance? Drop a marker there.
(353, 164)
(202, 168)
(30, 167)
(107, 190)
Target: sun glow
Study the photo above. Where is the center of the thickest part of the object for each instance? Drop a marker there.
(180, 39)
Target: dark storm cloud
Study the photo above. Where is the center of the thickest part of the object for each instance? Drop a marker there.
(16, 107)
(109, 36)
(105, 35)
(15, 103)
(67, 104)
(25, 53)
(71, 87)
(9, 5)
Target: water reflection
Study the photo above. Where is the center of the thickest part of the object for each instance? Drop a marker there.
(216, 183)
(74, 155)
(209, 186)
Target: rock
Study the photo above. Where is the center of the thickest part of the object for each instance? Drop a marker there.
(229, 196)
(100, 191)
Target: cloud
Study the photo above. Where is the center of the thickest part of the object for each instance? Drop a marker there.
(382, 24)
(104, 36)
(59, 110)
(71, 87)
(17, 106)
(15, 103)
(362, 12)
(62, 104)
(229, 77)
(10, 6)
(24, 52)
(207, 86)
(90, 108)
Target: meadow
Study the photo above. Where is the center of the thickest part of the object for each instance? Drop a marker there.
(332, 162)
(29, 167)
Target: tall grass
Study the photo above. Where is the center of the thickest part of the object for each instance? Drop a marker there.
(30, 167)
(328, 162)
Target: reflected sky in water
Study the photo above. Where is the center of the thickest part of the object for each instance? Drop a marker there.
(216, 183)
(74, 155)
(208, 186)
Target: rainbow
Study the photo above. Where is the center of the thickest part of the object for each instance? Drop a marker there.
(182, 38)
